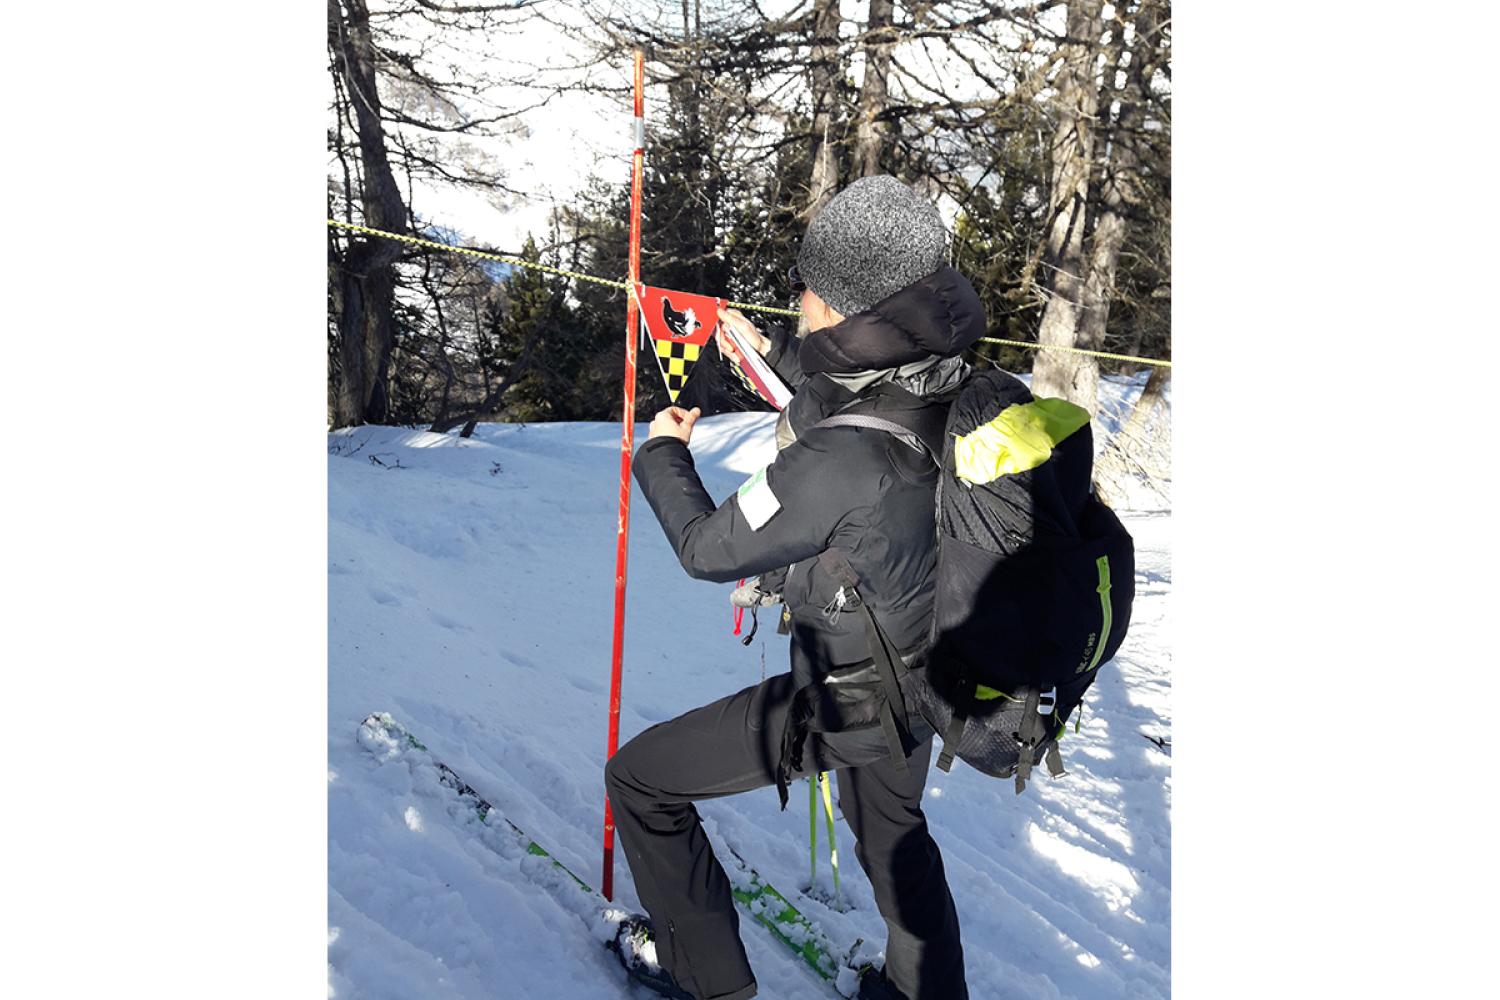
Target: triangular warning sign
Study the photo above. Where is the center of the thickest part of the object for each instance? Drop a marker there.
(680, 325)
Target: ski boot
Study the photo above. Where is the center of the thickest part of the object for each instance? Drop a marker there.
(635, 945)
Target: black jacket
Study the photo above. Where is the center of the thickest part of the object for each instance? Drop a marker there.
(862, 491)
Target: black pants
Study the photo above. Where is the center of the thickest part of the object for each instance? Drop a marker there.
(730, 746)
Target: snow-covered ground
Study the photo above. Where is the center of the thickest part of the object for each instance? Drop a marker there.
(470, 595)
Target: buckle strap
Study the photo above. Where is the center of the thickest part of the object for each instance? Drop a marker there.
(837, 565)
(1054, 761)
(963, 699)
(1040, 705)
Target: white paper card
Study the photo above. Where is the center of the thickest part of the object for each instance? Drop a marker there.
(757, 502)
(767, 383)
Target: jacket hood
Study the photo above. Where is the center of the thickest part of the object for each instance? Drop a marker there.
(938, 315)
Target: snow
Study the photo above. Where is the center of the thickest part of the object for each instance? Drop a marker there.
(471, 595)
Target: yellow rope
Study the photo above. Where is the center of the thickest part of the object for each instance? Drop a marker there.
(1077, 350)
(580, 276)
(502, 258)
(777, 310)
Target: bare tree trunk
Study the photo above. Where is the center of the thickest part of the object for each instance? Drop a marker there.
(366, 282)
(487, 406)
(450, 376)
(689, 93)
(879, 38)
(1117, 186)
(824, 73)
(1074, 377)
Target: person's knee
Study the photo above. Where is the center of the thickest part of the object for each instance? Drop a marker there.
(628, 774)
(620, 781)
(617, 778)
(900, 861)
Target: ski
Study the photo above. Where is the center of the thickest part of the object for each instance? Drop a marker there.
(383, 723)
(380, 732)
(774, 911)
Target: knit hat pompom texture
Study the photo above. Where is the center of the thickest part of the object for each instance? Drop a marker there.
(871, 240)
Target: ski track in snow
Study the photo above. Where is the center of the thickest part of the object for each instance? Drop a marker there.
(471, 596)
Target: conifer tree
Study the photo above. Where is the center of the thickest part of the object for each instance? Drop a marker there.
(524, 338)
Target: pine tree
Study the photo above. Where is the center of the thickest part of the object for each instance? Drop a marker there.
(526, 340)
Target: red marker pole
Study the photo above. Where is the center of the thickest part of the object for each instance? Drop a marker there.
(627, 449)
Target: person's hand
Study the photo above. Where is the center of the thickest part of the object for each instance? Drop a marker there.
(675, 422)
(746, 329)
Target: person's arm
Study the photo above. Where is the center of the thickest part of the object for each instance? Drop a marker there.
(781, 515)
(775, 344)
(782, 357)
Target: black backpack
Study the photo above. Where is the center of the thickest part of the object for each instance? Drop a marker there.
(1035, 580)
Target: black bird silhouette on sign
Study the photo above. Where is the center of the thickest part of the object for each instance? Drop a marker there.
(682, 324)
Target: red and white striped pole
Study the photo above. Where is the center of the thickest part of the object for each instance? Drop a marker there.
(627, 449)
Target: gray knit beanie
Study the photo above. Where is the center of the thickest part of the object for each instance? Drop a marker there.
(871, 240)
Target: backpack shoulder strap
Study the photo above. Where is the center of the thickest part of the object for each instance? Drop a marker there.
(874, 423)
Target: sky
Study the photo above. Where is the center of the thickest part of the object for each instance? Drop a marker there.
(559, 145)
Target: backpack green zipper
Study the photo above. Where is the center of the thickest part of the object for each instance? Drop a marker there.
(1105, 608)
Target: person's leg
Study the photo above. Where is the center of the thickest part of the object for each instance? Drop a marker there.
(733, 745)
(923, 956)
(728, 746)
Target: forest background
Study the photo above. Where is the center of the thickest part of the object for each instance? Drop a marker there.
(1042, 130)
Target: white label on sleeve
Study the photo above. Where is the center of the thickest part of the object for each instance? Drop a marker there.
(757, 502)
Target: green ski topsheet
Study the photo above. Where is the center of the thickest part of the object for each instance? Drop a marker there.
(760, 899)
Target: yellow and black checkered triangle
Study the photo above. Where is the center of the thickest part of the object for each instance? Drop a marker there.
(677, 358)
(744, 380)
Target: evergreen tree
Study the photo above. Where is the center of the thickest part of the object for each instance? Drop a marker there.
(598, 226)
(526, 339)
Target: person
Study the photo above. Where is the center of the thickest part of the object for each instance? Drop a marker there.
(887, 321)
